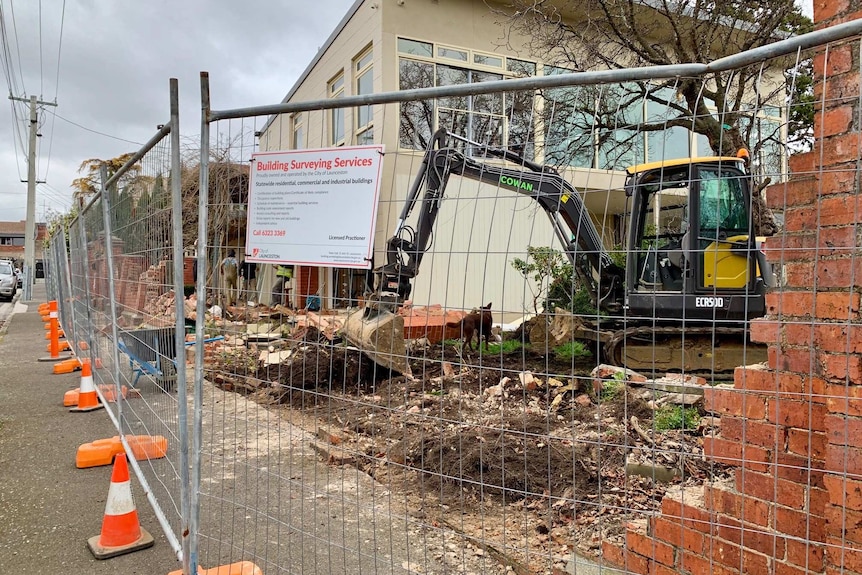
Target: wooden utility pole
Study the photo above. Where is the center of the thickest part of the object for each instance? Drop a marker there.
(30, 224)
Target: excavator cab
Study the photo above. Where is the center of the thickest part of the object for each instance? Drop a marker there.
(692, 252)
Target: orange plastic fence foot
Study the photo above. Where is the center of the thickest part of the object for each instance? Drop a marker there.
(88, 399)
(63, 345)
(121, 531)
(241, 568)
(102, 451)
(67, 365)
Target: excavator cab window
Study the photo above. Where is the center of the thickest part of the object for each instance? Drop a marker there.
(722, 206)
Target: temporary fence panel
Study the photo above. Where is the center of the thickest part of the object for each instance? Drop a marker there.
(527, 453)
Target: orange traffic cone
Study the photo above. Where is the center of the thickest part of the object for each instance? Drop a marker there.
(121, 531)
(88, 399)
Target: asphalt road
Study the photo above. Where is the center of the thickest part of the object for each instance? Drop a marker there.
(48, 507)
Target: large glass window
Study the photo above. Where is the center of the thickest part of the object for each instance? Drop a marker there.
(336, 115)
(671, 142)
(493, 119)
(568, 121)
(363, 68)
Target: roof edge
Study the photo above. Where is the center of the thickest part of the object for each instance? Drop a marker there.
(305, 73)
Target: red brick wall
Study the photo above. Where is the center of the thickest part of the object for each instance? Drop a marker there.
(792, 430)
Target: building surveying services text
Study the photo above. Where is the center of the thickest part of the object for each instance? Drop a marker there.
(319, 164)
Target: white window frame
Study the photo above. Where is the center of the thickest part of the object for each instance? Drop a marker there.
(297, 135)
(335, 89)
(363, 65)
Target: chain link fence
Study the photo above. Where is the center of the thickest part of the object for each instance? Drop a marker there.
(569, 393)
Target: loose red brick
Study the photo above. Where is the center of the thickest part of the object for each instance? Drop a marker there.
(793, 413)
(806, 554)
(844, 523)
(689, 516)
(733, 453)
(650, 548)
(840, 178)
(790, 303)
(672, 531)
(799, 468)
(844, 398)
(800, 523)
(841, 366)
(796, 359)
(765, 331)
(697, 564)
(728, 401)
(753, 537)
(767, 435)
(837, 305)
(837, 120)
(844, 491)
(768, 488)
(843, 555)
(620, 557)
(792, 193)
(844, 459)
(807, 442)
(843, 429)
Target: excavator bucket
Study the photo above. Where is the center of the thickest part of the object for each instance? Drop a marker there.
(380, 335)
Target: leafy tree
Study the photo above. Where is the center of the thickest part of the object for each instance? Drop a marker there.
(555, 281)
(90, 182)
(614, 34)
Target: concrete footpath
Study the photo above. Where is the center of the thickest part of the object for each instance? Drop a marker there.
(48, 507)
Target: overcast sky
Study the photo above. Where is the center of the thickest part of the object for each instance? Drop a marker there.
(115, 62)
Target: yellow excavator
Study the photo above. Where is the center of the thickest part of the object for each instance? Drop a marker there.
(694, 275)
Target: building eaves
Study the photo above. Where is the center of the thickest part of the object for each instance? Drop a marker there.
(317, 57)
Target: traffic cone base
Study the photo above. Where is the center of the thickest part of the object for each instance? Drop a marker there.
(68, 365)
(62, 358)
(88, 399)
(121, 531)
(241, 568)
(101, 552)
(103, 451)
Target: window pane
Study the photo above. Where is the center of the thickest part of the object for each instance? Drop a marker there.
(337, 125)
(568, 118)
(449, 76)
(336, 85)
(491, 103)
(495, 61)
(406, 46)
(520, 68)
(722, 205)
(452, 53)
(298, 138)
(519, 112)
(364, 86)
(366, 137)
(417, 118)
(365, 60)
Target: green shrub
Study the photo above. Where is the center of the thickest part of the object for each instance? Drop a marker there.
(504, 347)
(571, 350)
(614, 387)
(676, 417)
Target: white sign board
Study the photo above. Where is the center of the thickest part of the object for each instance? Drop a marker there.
(314, 207)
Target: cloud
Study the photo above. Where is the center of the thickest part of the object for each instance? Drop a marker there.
(116, 61)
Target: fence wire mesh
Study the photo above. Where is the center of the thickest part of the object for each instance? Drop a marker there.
(666, 371)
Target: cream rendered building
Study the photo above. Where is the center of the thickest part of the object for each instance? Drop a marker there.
(387, 45)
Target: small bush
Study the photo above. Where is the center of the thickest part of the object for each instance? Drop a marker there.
(504, 347)
(571, 350)
(676, 417)
(613, 388)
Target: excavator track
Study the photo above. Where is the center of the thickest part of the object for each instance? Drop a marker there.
(713, 350)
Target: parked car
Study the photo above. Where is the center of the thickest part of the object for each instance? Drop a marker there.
(8, 281)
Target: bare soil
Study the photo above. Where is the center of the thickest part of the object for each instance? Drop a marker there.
(533, 465)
